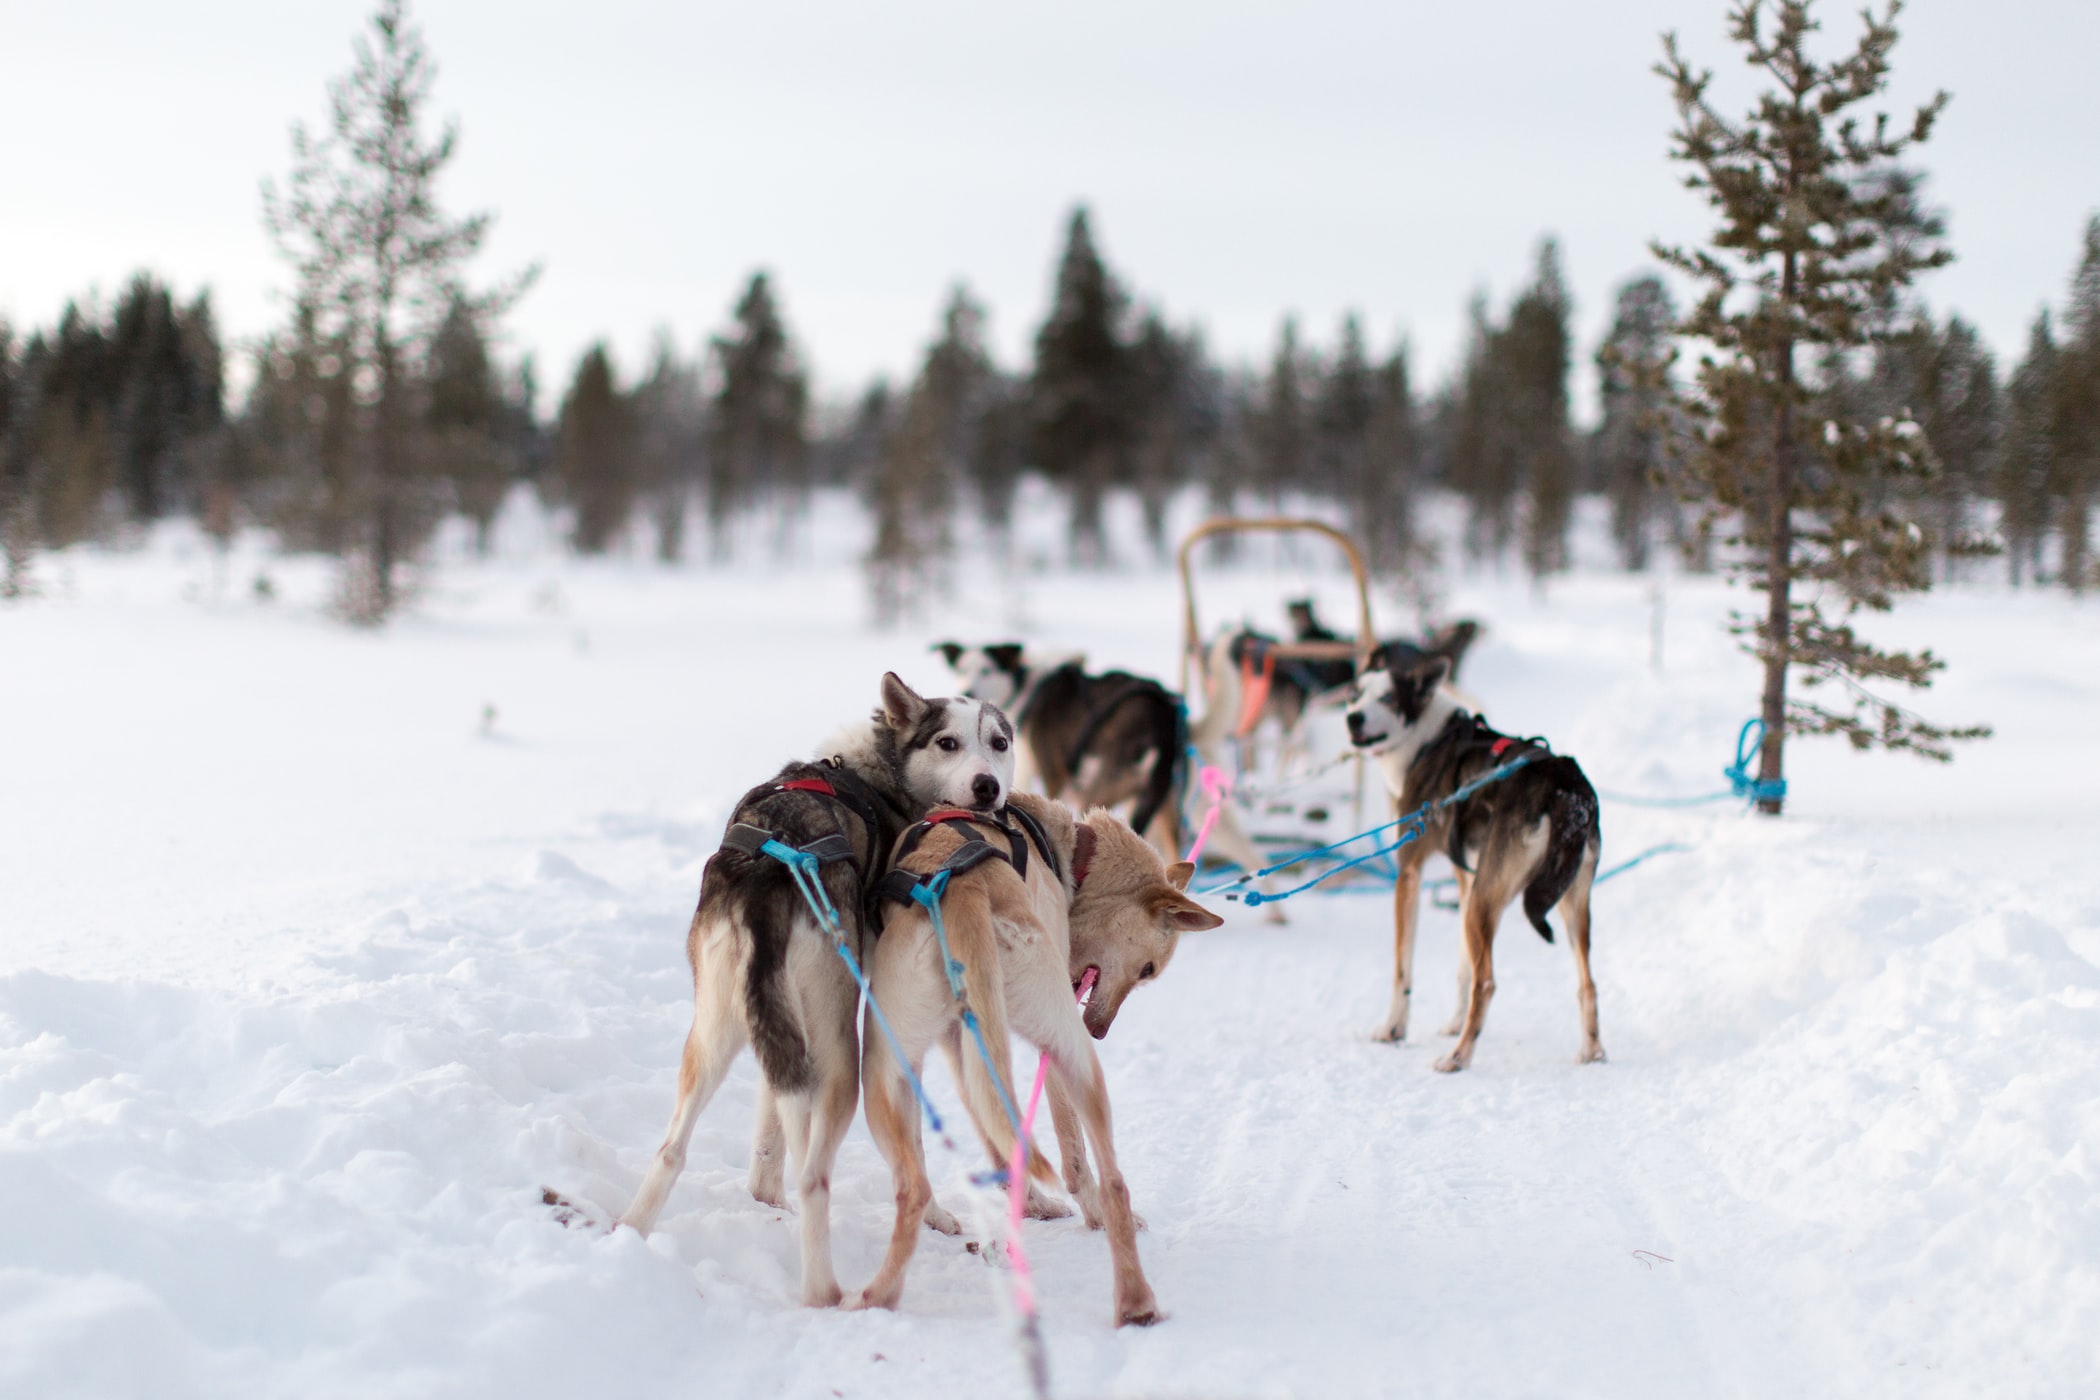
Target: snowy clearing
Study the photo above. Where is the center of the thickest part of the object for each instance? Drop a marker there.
(307, 984)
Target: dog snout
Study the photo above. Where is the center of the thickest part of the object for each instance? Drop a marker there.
(1356, 724)
(984, 789)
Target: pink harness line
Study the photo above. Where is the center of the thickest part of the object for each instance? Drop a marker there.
(1215, 787)
(1017, 1176)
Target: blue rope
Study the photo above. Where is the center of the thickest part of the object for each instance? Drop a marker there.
(804, 868)
(1741, 786)
(1437, 886)
(1416, 823)
(929, 895)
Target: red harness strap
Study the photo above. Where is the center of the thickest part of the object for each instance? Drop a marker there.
(953, 814)
(808, 785)
(1500, 747)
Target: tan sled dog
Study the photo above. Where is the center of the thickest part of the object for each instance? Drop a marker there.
(1026, 927)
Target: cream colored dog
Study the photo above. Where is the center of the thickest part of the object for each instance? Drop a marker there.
(1100, 898)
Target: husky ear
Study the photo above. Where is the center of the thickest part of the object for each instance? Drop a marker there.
(901, 705)
(951, 650)
(1005, 655)
(1430, 674)
(1185, 915)
(1179, 874)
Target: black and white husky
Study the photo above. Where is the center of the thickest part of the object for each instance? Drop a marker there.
(1532, 833)
(767, 974)
(1096, 740)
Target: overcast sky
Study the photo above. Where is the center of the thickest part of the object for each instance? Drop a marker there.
(1242, 160)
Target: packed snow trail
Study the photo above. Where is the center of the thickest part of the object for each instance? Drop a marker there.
(287, 1048)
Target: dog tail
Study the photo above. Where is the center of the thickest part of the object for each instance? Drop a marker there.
(1572, 815)
(966, 912)
(1170, 738)
(769, 1002)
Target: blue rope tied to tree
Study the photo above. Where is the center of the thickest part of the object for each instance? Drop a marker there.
(1413, 825)
(1741, 786)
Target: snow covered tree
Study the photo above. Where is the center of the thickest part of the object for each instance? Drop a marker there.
(757, 424)
(1633, 391)
(379, 265)
(1080, 397)
(1816, 240)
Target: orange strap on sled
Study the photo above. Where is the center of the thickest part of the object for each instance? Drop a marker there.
(1254, 690)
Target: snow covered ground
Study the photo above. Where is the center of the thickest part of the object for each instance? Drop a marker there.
(310, 978)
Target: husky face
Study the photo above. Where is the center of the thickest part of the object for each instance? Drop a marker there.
(988, 673)
(1389, 711)
(1128, 918)
(952, 753)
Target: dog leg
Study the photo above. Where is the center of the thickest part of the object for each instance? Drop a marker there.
(893, 1122)
(710, 1047)
(768, 1151)
(1407, 898)
(1071, 1148)
(1575, 914)
(1479, 915)
(824, 1115)
(1465, 964)
(1135, 1303)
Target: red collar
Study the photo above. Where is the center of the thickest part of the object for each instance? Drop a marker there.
(1082, 854)
(1500, 747)
(809, 785)
(952, 814)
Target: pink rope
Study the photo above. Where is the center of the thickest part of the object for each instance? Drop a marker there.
(1017, 1176)
(1215, 787)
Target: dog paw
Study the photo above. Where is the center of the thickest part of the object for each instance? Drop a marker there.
(1389, 1034)
(1140, 1310)
(1453, 1026)
(1592, 1054)
(1450, 1064)
(1042, 1206)
(873, 1296)
(941, 1219)
(823, 1296)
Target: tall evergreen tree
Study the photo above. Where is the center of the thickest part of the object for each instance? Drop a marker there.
(1080, 397)
(464, 412)
(595, 457)
(671, 423)
(1943, 379)
(1534, 351)
(1629, 449)
(757, 424)
(1392, 466)
(2025, 463)
(1814, 245)
(17, 518)
(378, 265)
(1285, 428)
(2075, 419)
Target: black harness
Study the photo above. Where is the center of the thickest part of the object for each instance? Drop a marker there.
(1464, 736)
(903, 885)
(842, 786)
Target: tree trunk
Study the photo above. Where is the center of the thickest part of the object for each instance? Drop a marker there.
(1779, 573)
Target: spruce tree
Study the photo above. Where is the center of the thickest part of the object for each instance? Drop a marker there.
(17, 527)
(595, 463)
(463, 409)
(1628, 451)
(2024, 466)
(671, 447)
(1391, 468)
(757, 424)
(2075, 420)
(1814, 245)
(1081, 395)
(1534, 350)
(378, 265)
(1284, 430)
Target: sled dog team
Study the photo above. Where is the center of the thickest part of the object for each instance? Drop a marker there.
(1039, 903)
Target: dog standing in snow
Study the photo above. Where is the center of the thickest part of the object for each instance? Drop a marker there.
(767, 974)
(1534, 832)
(1094, 898)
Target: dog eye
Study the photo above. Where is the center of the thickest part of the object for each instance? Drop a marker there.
(998, 744)
(948, 743)
(1148, 974)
